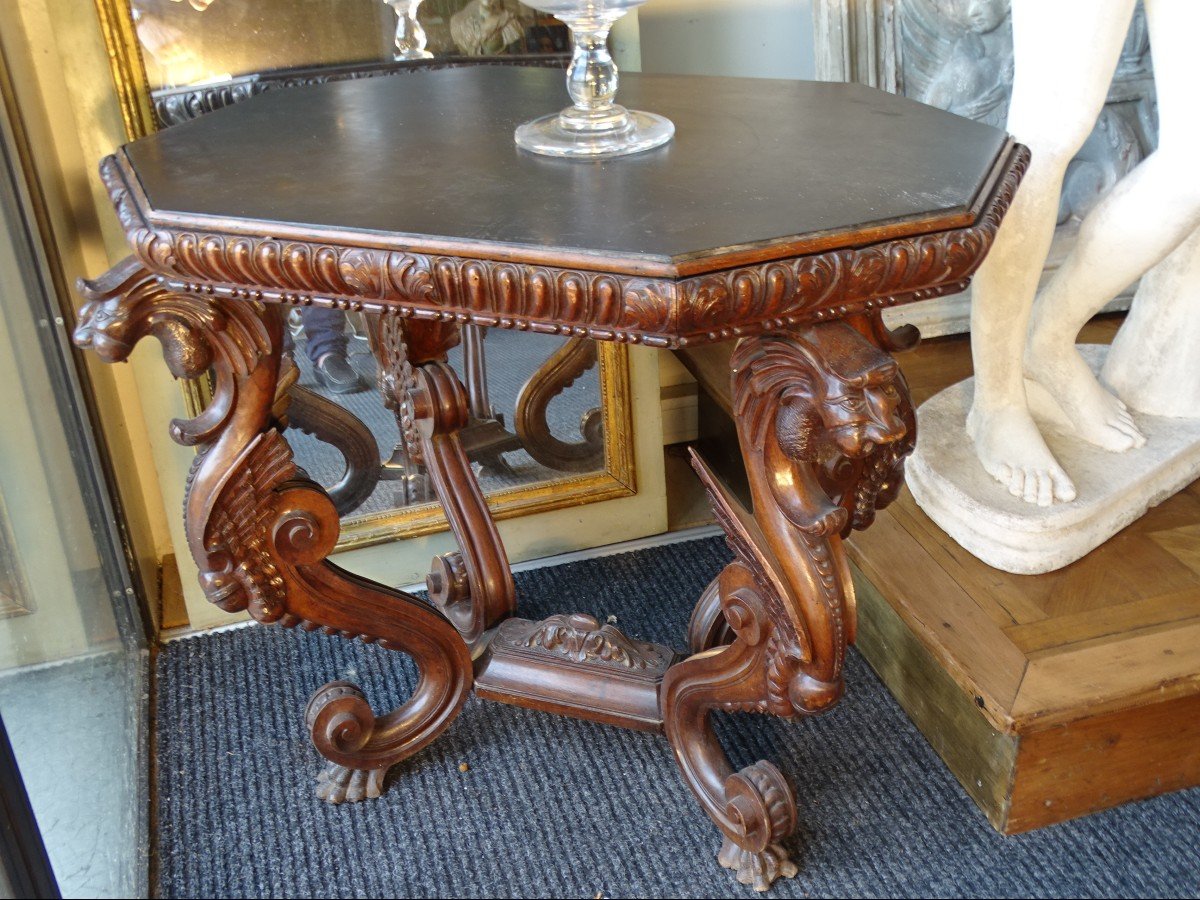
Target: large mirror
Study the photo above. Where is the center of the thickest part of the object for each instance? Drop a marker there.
(550, 416)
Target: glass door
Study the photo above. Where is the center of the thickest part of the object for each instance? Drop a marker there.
(73, 653)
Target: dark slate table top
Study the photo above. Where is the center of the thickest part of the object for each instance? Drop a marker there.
(758, 169)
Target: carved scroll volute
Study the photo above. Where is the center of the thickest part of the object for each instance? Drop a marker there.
(806, 403)
(473, 587)
(754, 808)
(260, 532)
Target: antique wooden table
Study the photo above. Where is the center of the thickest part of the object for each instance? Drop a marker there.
(784, 214)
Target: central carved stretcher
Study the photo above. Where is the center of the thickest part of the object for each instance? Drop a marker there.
(824, 422)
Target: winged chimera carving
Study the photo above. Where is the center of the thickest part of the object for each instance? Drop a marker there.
(260, 530)
(824, 422)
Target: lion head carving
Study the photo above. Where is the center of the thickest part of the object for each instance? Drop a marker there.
(836, 393)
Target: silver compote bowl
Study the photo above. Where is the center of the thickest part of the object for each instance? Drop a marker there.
(594, 126)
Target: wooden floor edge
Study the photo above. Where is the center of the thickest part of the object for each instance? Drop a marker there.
(1101, 761)
(980, 757)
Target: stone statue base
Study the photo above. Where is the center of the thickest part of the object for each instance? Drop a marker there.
(1114, 489)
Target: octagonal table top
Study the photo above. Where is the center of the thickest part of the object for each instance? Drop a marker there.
(774, 165)
(777, 202)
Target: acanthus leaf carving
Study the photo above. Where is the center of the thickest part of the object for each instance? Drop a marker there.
(583, 639)
(661, 311)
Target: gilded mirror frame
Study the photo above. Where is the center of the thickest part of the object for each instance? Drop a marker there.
(616, 478)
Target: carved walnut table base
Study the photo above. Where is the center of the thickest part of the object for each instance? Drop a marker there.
(823, 416)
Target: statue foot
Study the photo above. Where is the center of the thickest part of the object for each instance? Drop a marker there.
(338, 784)
(1012, 451)
(1096, 415)
(759, 870)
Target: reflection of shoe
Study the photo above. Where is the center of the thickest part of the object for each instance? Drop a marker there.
(336, 373)
(295, 323)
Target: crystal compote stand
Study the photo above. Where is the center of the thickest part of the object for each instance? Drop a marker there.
(595, 126)
(410, 36)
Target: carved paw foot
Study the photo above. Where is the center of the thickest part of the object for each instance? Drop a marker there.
(759, 870)
(761, 804)
(338, 784)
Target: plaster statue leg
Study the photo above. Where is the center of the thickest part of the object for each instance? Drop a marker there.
(1064, 57)
(1147, 214)
(1154, 363)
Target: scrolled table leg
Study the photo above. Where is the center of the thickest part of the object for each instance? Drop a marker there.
(333, 424)
(473, 586)
(824, 422)
(261, 533)
(708, 627)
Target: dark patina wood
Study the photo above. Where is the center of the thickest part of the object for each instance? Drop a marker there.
(786, 214)
(780, 175)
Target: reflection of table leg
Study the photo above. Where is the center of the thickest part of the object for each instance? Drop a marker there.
(484, 438)
(333, 424)
(553, 377)
(473, 586)
(824, 423)
(260, 533)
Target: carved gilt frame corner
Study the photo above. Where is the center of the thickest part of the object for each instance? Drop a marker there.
(617, 478)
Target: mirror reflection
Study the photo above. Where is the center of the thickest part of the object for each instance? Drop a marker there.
(535, 406)
(207, 42)
(537, 401)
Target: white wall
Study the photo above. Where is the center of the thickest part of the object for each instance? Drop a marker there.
(751, 38)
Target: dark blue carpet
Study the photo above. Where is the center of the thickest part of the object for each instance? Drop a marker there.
(551, 807)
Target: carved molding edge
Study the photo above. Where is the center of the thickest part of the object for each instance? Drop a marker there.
(660, 312)
(173, 106)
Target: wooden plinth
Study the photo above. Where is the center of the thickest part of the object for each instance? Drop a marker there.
(1048, 696)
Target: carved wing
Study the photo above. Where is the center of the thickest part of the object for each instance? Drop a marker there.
(929, 30)
(241, 520)
(746, 541)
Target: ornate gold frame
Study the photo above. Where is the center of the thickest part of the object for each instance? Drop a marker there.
(617, 479)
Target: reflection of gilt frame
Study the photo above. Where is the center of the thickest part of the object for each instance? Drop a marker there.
(142, 114)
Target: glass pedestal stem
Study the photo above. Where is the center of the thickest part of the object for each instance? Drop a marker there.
(410, 36)
(594, 126)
